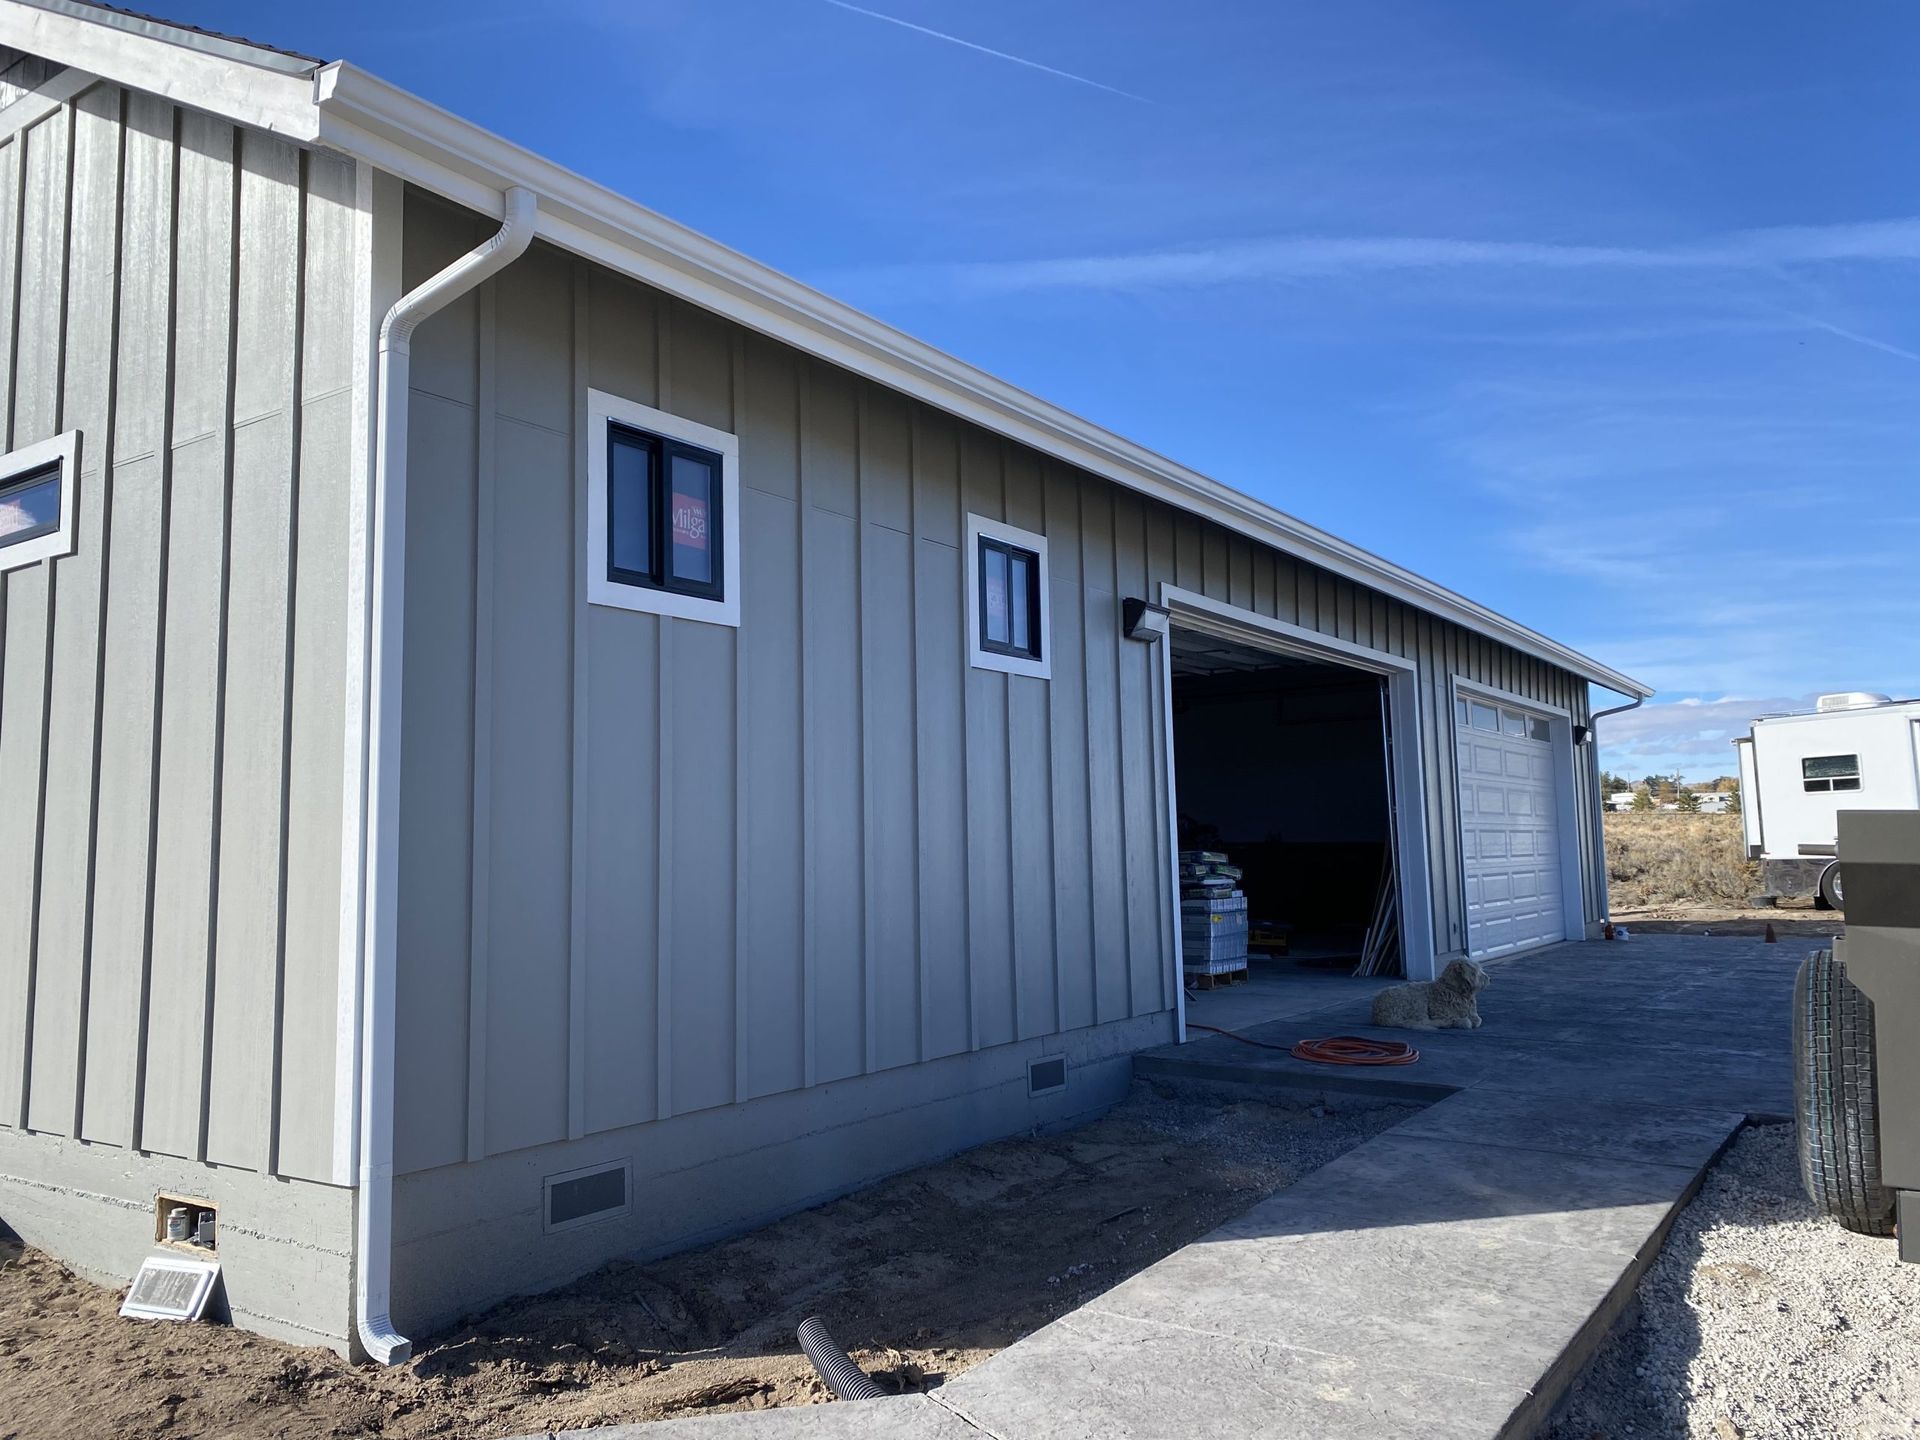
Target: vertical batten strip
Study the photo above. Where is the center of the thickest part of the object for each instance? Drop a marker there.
(269, 1115)
(169, 310)
(480, 802)
(663, 779)
(809, 899)
(226, 439)
(103, 507)
(742, 813)
(869, 1031)
(580, 751)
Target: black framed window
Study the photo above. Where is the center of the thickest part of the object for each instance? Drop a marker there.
(1830, 772)
(1009, 600)
(30, 505)
(665, 514)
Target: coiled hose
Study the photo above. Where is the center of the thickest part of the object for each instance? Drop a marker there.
(845, 1379)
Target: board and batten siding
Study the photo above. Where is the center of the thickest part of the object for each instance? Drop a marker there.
(181, 292)
(654, 866)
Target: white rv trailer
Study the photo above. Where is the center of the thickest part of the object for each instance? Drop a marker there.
(1853, 751)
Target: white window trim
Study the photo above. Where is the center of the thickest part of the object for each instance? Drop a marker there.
(979, 527)
(602, 409)
(66, 449)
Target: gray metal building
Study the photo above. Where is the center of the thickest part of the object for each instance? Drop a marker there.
(646, 750)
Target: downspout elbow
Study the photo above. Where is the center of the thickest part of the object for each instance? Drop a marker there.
(373, 1234)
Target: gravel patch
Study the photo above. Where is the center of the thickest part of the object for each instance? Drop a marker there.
(1760, 1319)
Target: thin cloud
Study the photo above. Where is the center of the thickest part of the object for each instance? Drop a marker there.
(984, 50)
(1317, 257)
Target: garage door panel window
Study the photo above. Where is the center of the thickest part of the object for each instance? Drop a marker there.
(1830, 772)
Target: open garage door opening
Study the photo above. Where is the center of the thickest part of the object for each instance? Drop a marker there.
(1284, 793)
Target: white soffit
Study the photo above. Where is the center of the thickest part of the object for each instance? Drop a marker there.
(346, 109)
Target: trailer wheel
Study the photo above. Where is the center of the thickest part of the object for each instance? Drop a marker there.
(1831, 895)
(1835, 1098)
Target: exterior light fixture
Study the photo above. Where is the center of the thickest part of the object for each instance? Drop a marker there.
(1142, 621)
(1582, 734)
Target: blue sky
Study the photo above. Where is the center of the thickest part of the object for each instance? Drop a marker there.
(1603, 312)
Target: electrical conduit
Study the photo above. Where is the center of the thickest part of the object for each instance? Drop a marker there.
(373, 1235)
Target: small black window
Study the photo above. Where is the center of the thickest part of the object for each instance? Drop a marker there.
(1830, 772)
(664, 514)
(30, 505)
(1009, 600)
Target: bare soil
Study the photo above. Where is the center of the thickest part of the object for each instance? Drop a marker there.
(922, 1276)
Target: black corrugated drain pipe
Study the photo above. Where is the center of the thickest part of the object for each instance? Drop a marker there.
(845, 1379)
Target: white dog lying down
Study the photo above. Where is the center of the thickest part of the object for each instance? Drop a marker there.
(1444, 1004)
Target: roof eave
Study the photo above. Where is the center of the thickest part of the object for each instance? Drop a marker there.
(428, 146)
(345, 108)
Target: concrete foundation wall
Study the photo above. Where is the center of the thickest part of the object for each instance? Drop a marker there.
(285, 1248)
(469, 1235)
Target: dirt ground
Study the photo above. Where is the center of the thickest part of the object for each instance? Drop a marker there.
(921, 1276)
(1790, 921)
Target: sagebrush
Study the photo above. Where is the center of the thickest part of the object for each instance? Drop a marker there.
(1671, 858)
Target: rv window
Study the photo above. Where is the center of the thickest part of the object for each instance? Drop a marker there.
(1830, 772)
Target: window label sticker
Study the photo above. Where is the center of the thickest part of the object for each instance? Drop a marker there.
(689, 522)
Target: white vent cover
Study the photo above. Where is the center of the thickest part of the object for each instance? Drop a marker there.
(1851, 700)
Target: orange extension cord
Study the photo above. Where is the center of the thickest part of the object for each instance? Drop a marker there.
(1332, 1050)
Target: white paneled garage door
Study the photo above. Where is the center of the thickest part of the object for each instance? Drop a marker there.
(1509, 828)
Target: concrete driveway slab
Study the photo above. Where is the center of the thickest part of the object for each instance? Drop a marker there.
(1484, 1195)
(1098, 1376)
(1649, 1134)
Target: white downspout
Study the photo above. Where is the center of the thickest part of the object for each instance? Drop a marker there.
(373, 1238)
(1599, 800)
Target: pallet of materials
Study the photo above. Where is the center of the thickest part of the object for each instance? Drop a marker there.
(1213, 919)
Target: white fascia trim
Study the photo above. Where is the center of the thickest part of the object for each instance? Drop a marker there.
(365, 116)
(64, 448)
(264, 91)
(602, 590)
(983, 659)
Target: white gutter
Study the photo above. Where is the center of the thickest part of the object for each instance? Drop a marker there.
(373, 1238)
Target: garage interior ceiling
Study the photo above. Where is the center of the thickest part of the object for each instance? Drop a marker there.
(1198, 655)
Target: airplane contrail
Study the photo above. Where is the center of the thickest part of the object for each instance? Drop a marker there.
(984, 50)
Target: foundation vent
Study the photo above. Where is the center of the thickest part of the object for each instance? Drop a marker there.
(1046, 1076)
(580, 1197)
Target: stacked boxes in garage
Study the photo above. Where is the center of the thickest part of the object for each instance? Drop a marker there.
(1213, 916)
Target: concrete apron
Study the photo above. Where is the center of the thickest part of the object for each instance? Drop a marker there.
(1450, 1277)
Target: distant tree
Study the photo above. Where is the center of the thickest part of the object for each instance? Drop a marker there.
(1733, 798)
(1642, 800)
(1688, 801)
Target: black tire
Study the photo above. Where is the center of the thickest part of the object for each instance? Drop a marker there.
(1832, 895)
(1835, 1098)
